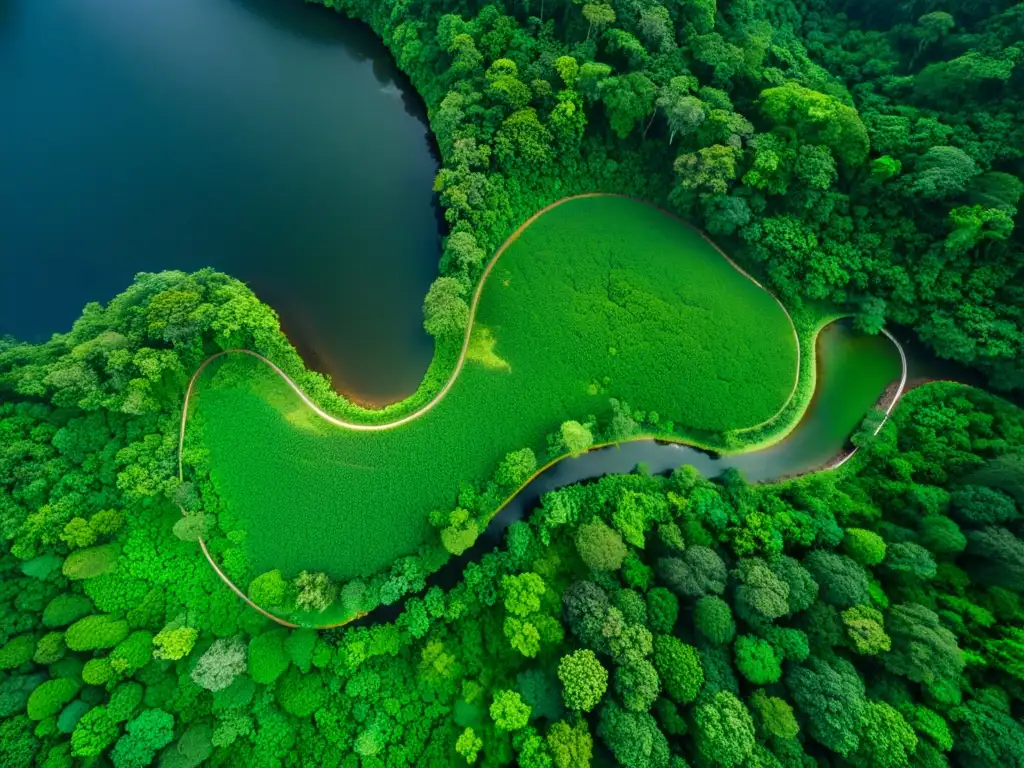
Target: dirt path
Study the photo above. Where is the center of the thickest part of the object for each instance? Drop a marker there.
(900, 390)
(442, 393)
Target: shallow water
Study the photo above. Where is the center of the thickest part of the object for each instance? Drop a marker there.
(270, 139)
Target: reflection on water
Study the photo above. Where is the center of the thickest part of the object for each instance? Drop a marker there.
(260, 137)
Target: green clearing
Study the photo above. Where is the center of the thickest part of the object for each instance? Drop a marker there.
(600, 297)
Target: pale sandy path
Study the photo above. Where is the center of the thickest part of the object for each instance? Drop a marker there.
(442, 393)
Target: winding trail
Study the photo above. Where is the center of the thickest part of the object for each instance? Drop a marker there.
(443, 392)
(460, 362)
(892, 404)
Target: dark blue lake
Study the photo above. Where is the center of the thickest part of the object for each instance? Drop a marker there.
(269, 139)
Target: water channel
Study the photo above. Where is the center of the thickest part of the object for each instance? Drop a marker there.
(853, 371)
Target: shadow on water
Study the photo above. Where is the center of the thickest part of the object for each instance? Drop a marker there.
(323, 26)
(8, 16)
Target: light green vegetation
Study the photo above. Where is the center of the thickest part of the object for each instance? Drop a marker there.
(599, 298)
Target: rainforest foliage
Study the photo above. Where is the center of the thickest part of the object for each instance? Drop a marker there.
(867, 153)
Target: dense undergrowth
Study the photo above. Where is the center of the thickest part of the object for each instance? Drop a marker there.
(868, 155)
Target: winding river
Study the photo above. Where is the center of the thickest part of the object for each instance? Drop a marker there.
(853, 372)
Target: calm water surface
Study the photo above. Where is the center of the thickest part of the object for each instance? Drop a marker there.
(272, 140)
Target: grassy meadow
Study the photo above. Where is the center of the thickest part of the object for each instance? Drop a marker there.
(600, 297)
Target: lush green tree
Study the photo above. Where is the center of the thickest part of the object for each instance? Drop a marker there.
(844, 583)
(314, 591)
(803, 589)
(50, 648)
(268, 658)
(469, 745)
(942, 172)
(66, 609)
(220, 664)
(632, 606)
(95, 632)
(269, 589)
(922, 649)
(698, 571)
(571, 745)
(637, 684)
(445, 310)
(817, 118)
(662, 610)
(979, 506)
(90, 563)
(600, 547)
(599, 14)
(792, 644)
(586, 608)
(941, 536)
(132, 654)
(757, 660)
(830, 694)
(865, 630)
(516, 468)
(174, 641)
(761, 595)
(724, 730)
(774, 716)
(576, 438)
(999, 557)
(910, 559)
(460, 533)
(192, 527)
(152, 730)
(300, 694)
(50, 697)
(633, 737)
(679, 668)
(864, 547)
(508, 711)
(986, 732)
(584, 680)
(17, 651)
(95, 731)
(887, 741)
(709, 170)
(713, 619)
(523, 593)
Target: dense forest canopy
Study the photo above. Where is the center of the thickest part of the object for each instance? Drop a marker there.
(868, 155)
